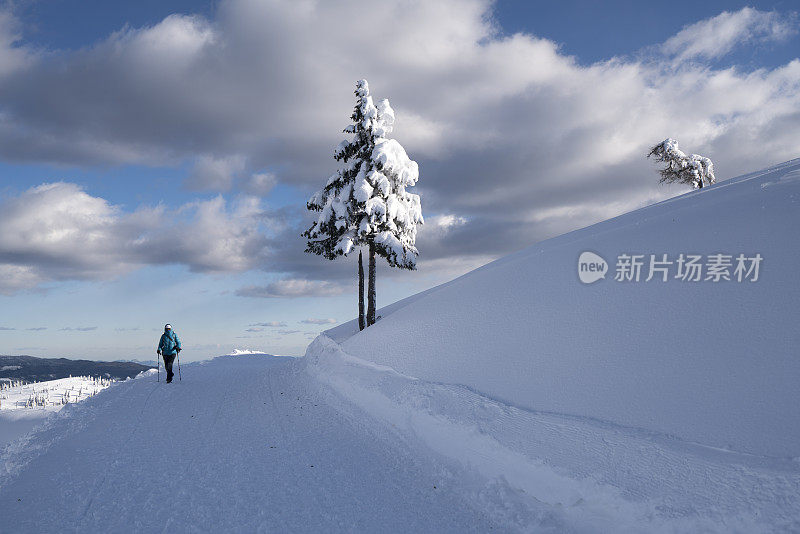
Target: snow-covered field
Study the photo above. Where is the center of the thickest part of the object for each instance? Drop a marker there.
(513, 399)
(22, 407)
(50, 394)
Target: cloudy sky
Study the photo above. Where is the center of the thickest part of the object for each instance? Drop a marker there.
(155, 156)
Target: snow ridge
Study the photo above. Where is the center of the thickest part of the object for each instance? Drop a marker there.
(590, 475)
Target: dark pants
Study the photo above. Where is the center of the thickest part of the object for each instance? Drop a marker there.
(168, 361)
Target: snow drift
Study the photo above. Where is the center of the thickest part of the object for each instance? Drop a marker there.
(714, 363)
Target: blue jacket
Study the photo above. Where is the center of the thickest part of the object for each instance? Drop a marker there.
(169, 344)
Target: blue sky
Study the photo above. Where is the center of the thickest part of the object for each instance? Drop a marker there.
(185, 137)
(597, 31)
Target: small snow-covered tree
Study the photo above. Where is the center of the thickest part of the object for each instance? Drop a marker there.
(694, 170)
(365, 203)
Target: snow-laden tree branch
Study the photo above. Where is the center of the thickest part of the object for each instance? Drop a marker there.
(694, 170)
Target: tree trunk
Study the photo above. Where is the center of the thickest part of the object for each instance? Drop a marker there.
(371, 289)
(361, 317)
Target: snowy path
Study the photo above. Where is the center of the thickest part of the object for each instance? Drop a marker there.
(242, 444)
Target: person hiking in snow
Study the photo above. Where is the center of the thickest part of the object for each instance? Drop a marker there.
(168, 347)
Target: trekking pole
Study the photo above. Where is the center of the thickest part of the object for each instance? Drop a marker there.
(179, 366)
(158, 363)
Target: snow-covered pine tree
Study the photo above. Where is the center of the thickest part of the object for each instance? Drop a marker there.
(365, 202)
(694, 170)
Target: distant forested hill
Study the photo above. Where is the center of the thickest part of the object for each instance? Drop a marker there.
(32, 369)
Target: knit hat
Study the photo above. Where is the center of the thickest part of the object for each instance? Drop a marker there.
(167, 326)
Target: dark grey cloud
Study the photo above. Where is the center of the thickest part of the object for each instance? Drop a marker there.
(79, 329)
(36, 328)
(271, 324)
(6, 328)
(516, 141)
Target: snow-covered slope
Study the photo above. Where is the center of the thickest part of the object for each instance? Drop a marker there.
(624, 406)
(552, 472)
(716, 363)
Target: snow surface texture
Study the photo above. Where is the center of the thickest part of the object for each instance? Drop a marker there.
(712, 363)
(255, 444)
(16, 423)
(550, 472)
(241, 444)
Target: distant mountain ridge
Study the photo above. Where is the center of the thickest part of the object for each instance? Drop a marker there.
(33, 369)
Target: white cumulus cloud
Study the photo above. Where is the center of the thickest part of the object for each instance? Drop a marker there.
(58, 231)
